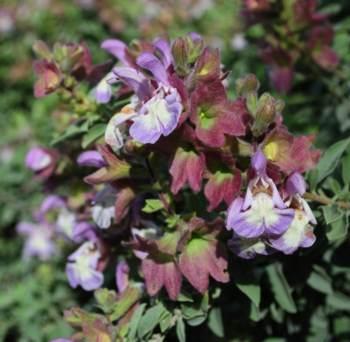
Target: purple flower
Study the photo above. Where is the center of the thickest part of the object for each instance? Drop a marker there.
(91, 158)
(262, 211)
(300, 233)
(122, 276)
(38, 242)
(103, 91)
(82, 266)
(38, 159)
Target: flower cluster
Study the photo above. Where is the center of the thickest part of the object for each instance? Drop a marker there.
(301, 33)
(171, 163)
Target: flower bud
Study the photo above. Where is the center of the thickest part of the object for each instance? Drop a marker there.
(265, 114)
(247, 84)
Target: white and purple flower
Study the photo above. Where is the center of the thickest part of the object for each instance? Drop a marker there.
(39, 240)
(158, 107)
(82, 267)
(264, 223)
(262, 211)
(300, 233)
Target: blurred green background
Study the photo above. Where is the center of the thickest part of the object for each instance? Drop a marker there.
(33, 295)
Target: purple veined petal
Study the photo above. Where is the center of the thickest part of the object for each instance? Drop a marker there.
(293, 238)
(233, 211)
(135, 80)
(122, 276)
(164, 49)
(248, 248)
(25, 228)
(117, 48)
(92, 281)
(151, 63)
(281, 224)
(167, 119)
(244, 227)
(259, 162)
(145, 129)
(91, 158)
(307, 210)
(38, 159)
(295, 184)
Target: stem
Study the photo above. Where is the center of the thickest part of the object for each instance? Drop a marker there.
(326, 201)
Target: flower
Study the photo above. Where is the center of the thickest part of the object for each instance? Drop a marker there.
(158, 115)
(262, 211)
(82, 267)
(37, 159)
(103, 91)
(103, 211)
(39, 240)
(42, 161)
(91, 158)
(300, 233)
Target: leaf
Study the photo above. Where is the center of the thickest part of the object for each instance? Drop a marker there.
(93, 134)
(134, 323)
(331, 213)
(339, 301)
(180, 330)
(320, 281)
(346, 169)
(330, 159)
(152, 205)
(337, 230)
(250, 287)
(215, 322)
(150, 320)
(71, 131)
(281, 288)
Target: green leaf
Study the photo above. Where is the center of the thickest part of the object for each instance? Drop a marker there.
(281, 288)
(71, 131)
(93, 134)
(180, 330)
(337, 230)
(150, 320)
(320, 281)
(346, 169)
(215, 322)
(250, 287)
(330, 159)
(331, 213)
(339, 301)
(152, 205)
(135, 320)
